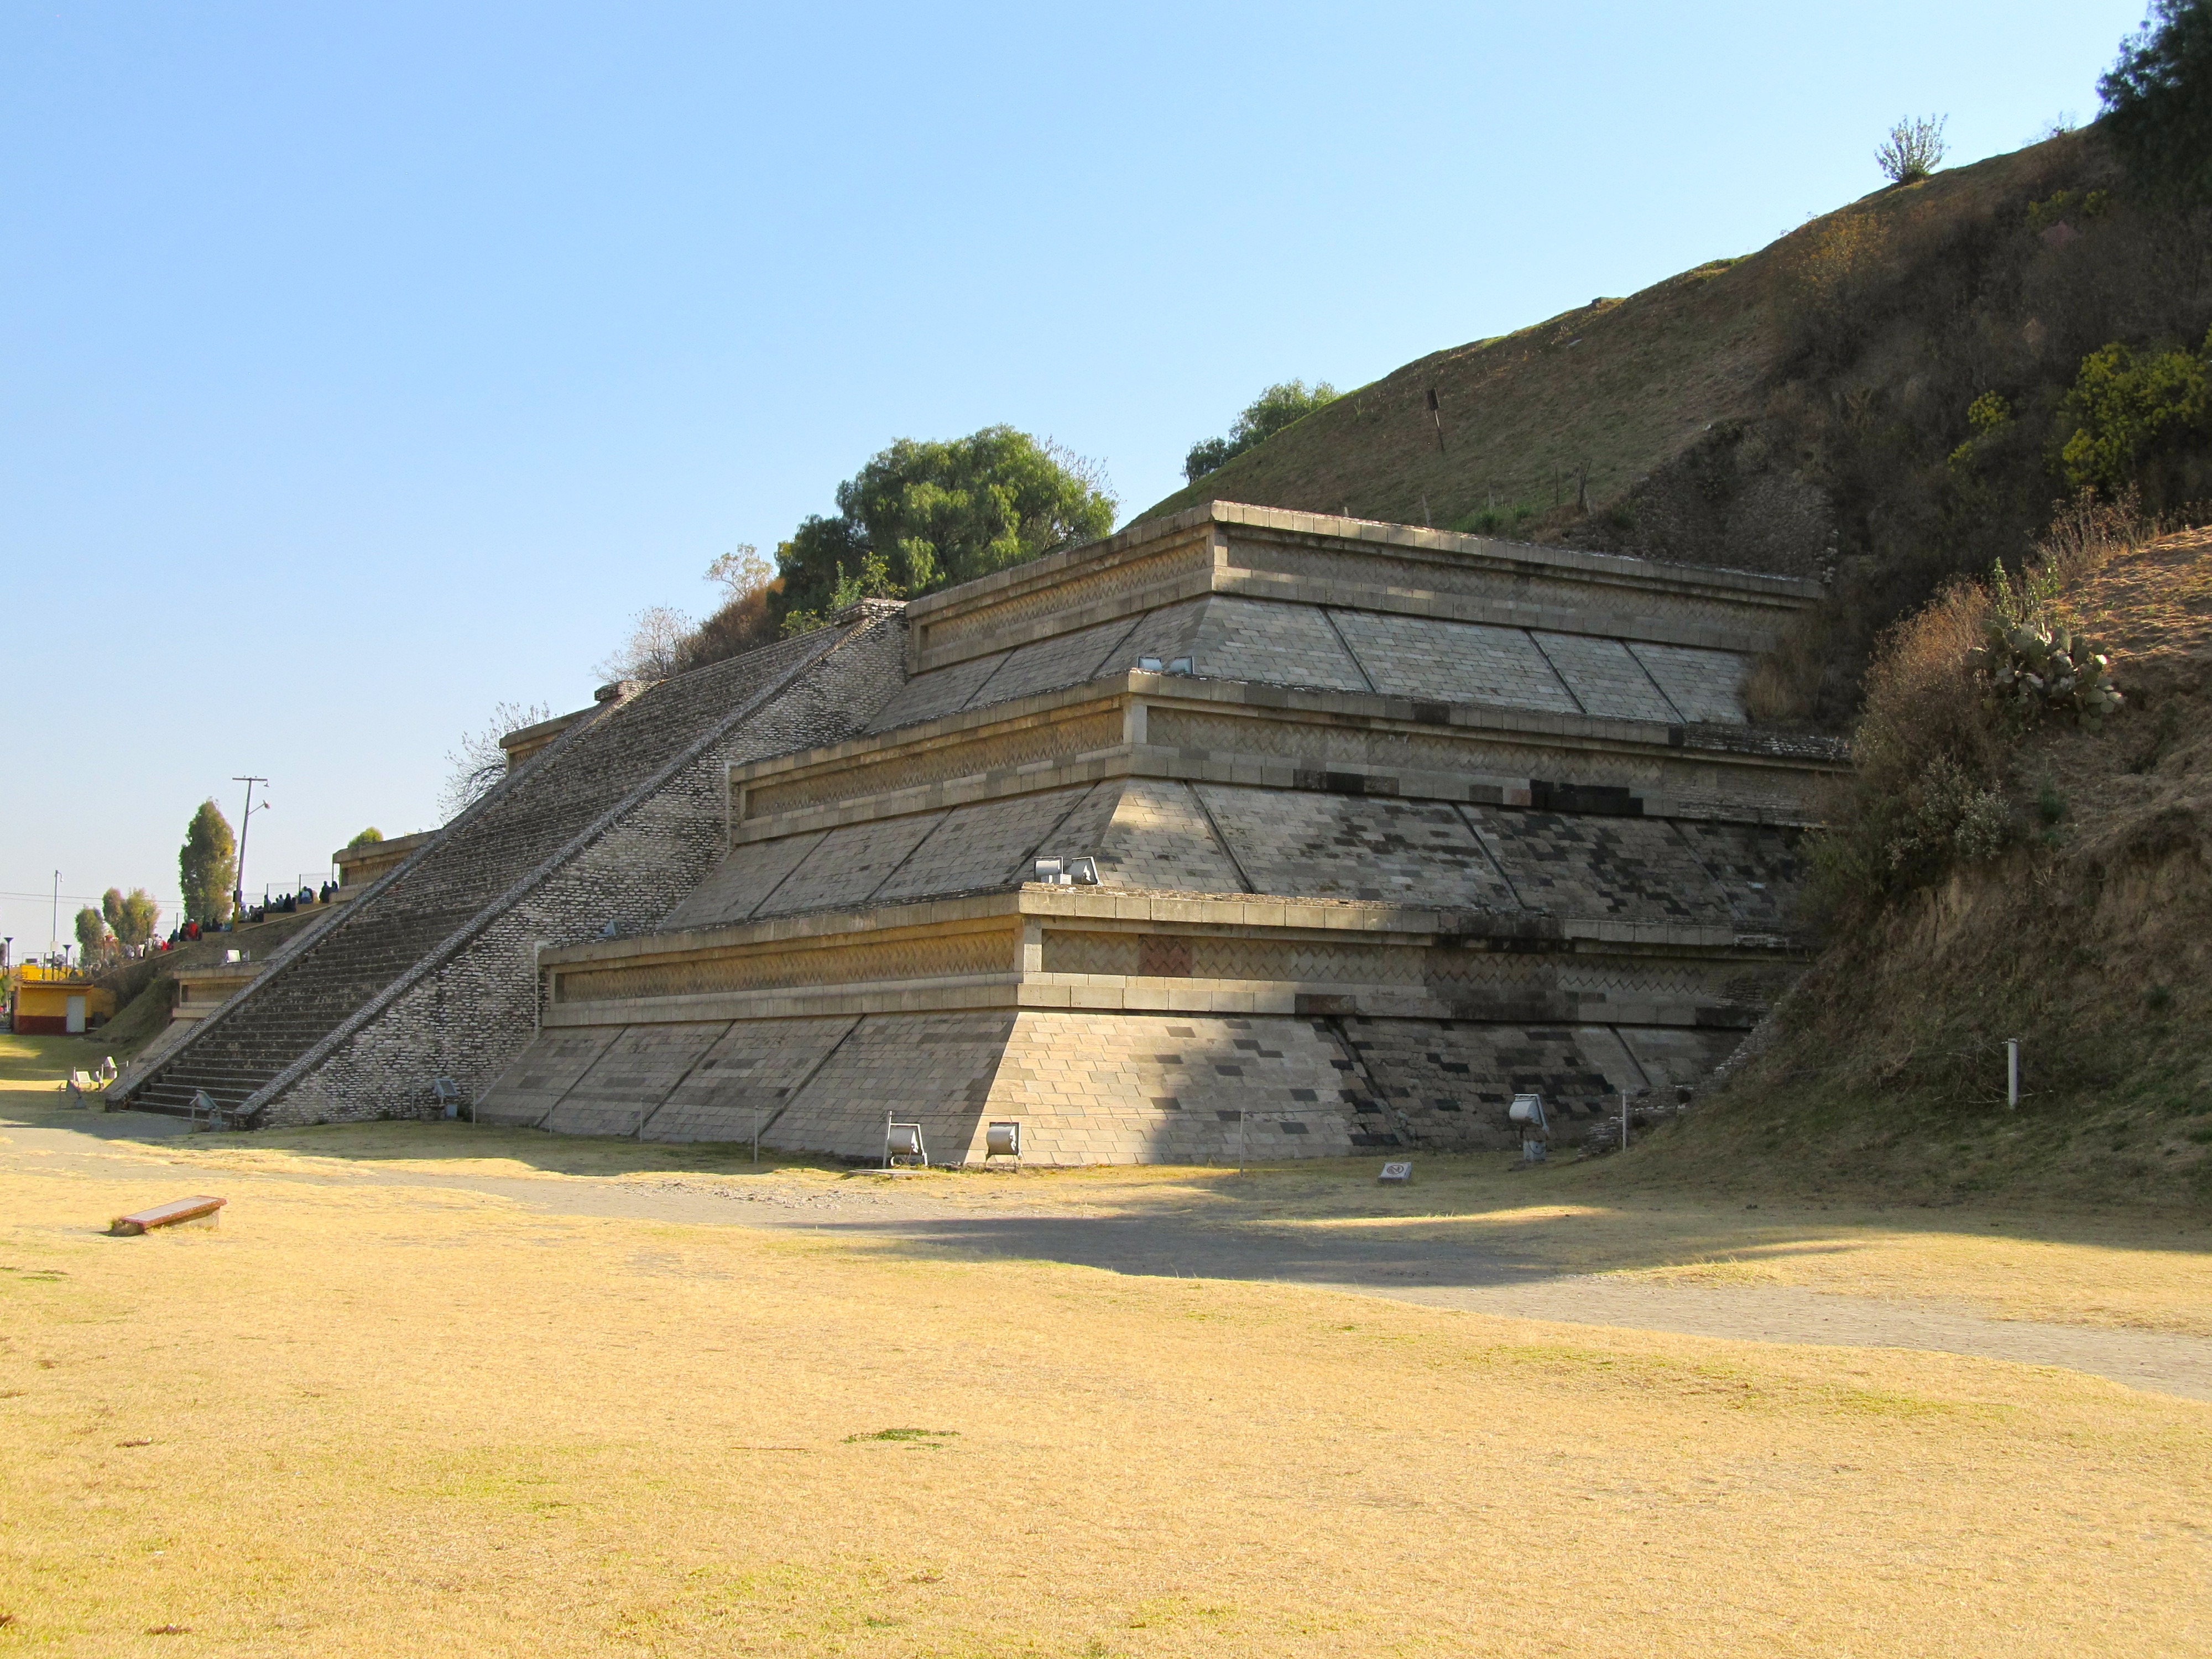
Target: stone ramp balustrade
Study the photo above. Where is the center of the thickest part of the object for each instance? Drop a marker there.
(455, 884)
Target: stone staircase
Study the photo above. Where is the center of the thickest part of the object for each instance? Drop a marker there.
(429, 906)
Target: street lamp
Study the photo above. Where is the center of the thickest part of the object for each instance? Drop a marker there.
(244, 825)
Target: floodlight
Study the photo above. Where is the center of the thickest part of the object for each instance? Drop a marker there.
(1527, 1111)
(1179, 665)
(902, 1140)
(1149, 664)
(1066, 872)
(1003, 1141)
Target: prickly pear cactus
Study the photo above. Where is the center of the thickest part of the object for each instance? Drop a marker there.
(2033, 668)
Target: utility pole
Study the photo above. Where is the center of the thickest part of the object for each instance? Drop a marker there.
(244, 825)
(54, 924)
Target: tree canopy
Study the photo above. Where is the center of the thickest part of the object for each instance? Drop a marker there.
(2158, 97)
(92, 940)
(744, 620)
(1263, 417)
(207, 865)
(132, 918)
(367, 837)
(923, 515)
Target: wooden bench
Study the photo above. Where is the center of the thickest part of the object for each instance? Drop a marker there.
(200, 1211)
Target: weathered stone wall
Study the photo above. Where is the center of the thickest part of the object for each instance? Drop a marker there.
(474, 1009)
(1091, 1087)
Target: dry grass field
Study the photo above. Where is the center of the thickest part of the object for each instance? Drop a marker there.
(401, 1419)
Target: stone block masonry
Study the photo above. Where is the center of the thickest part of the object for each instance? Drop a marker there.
(433, 970)
(1429, 820)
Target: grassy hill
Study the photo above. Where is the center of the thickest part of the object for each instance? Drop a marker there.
(1880, 398)
(1620, 386)
(1801, 409)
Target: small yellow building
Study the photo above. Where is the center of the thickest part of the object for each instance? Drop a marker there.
(53, 1000)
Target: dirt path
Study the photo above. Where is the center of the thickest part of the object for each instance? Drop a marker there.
(1004, 1223)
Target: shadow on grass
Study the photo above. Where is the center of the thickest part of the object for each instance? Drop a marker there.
(1468, 1219)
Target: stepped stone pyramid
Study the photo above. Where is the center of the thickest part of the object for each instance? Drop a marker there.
(1424, 820)
(615, 814)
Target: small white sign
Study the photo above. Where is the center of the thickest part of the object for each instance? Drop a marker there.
(1397, 1172)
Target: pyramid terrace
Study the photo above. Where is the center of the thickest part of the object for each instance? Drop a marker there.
(1386, 825)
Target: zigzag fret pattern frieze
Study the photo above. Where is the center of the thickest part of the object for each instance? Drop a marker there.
(1604, 602)
(1448, 974)
(1199, 733)
(997, 750)
(1073, 595)
(943, 958)
(1199, 957)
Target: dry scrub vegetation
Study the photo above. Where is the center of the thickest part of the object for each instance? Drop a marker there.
(1984, 882)
(415, 1422)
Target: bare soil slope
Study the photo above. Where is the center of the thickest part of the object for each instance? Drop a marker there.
(2092, 946)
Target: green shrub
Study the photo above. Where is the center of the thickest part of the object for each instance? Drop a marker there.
(1490, 521)
(1990, 412)
(2034, 669)
(938, 512)
(2067, 204)
(1913, 150)
(1279, 406)
(1945, 818)
(2124, 403)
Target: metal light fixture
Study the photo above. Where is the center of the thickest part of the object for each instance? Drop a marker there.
(1066, 872)
(1527, 1111)
(902, 1140)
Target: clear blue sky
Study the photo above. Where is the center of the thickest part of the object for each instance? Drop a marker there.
(366, 365)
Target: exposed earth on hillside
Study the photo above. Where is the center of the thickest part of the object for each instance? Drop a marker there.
(2088, 941)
